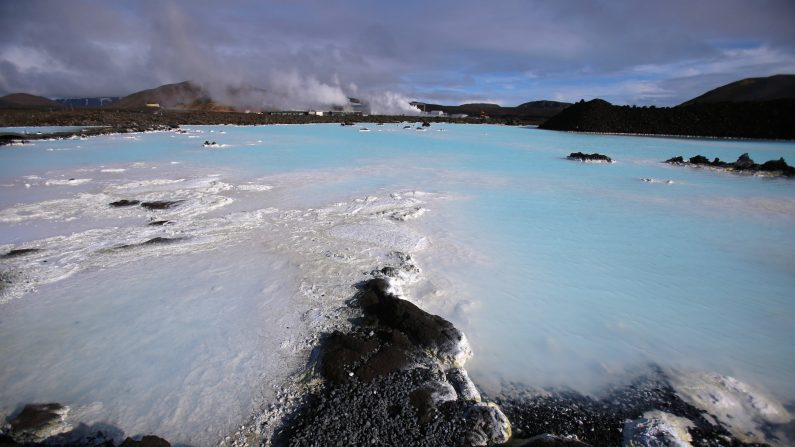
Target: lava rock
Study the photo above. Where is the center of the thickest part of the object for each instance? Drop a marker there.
(657, 429)
(38, 422)
(427, 331)
(19, 252)
(146, 441)
(699, 160)
(579, 156)
(124, 203)
(488, 425)
(676, 160)
(744, 162)
(161, 204)
(159, 223)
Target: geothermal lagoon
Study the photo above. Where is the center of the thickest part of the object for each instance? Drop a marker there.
(188, 318)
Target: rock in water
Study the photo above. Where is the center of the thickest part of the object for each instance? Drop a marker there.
(744, 162)
(38, 422)
(427, 331)
(146, 441)
(123, 203)
(590, 158)
(161, 204)
(19, 252)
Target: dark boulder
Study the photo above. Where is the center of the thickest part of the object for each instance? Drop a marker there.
(425, 330)
(124, 202)
(426, 124)
(146, 441)
(37, 422)
(159, 223)
(674, 160)
(579, 156)
(744, 162)
(19, 252)
(161, 204)
(699, 160)
(775, 165)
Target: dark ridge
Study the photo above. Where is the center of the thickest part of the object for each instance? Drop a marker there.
(744, 164)
(124, 202)
(20, 252)
(161, 204)
(763, 120)
(159, 223)
(750, 90)
(27, 101)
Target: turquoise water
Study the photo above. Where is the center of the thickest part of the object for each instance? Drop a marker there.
(562, 274)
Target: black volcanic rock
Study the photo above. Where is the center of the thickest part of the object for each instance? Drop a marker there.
(161, 204)
(124, 203)
(599, 158)
(744, 163)
(19, 252)
(699, 160)
(425, 330)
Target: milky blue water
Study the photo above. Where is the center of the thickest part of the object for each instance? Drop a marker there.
(562, 274)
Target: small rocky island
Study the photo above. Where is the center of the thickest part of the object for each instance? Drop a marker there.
(589, 158)
(743, 165)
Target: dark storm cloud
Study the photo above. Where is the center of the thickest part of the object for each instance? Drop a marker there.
(626, 51)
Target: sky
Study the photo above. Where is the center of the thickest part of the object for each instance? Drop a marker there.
(389, 52)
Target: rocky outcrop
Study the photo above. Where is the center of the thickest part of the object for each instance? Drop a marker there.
(744, 164)
(589, 158)
(395, 379)
(37, 422)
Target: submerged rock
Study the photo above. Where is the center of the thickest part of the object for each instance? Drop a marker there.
(38, 422)
(124, 203)
(161, 204)
(20, 252)
(591, 158)
(159, 223)
(146, 441)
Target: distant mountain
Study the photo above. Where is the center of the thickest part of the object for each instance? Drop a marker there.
(751, 89)
(761, 119)
(87, 102)
(529, 111)
(27, 101)
(182, 96)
